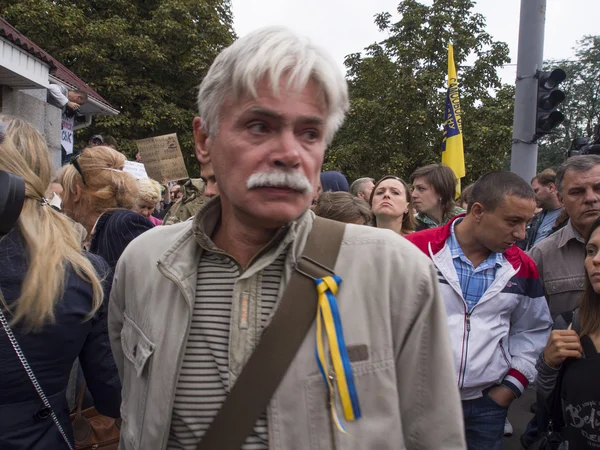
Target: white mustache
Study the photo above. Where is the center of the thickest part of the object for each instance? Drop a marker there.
(281, 179)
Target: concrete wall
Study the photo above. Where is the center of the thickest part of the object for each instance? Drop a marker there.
(30, 104)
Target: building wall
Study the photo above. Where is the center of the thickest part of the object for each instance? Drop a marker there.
(31, 105)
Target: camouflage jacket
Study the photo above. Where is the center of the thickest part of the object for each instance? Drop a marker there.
(189, 203)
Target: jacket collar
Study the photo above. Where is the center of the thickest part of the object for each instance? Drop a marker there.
(455, 211)
(98, 229)
(182, 257)
(568, 233)
(438, 242)
(205, 223)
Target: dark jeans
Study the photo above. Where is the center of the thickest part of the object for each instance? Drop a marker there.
(484, 423)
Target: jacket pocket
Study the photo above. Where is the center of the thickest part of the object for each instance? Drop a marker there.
(138, 350)
(562, 285)
(563, 292)
(379, 427)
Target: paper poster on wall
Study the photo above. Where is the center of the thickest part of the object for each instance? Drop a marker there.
(162, 158)
(136, 169)
(66, 133)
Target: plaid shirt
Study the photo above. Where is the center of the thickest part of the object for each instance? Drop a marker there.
(473, 281)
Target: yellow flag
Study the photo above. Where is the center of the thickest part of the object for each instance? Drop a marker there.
(452, 145)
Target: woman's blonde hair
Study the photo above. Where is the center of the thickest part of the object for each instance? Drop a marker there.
(150, 190)
(52, 244)
(344, 207)
(104, 185)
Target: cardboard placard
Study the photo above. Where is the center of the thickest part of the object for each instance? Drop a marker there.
(162, 158)
(136, 169)
(66, 133)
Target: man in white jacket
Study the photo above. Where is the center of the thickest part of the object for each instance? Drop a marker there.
(497, 314)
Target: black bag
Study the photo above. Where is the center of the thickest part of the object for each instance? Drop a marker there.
(549, 441)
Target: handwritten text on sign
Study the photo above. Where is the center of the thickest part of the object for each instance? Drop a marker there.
(66, 133)
(162, 158)
(136, 169)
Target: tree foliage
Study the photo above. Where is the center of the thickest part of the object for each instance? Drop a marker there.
(582, 105)
(397, 91)
(146, 57)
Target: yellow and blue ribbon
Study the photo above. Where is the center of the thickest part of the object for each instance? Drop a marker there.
(328, 315)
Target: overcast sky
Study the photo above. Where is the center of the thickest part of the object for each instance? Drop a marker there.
(345, 27)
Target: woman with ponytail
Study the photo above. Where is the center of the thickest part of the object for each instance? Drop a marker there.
(54, 300)
(100, 195)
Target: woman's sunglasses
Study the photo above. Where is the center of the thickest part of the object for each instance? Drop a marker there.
(75, 164)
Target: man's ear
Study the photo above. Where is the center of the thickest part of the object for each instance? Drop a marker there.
(560, 199)
(551, 187)
(202, 142)
(477, 211)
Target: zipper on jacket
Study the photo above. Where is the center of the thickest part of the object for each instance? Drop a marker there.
(466, 346)
(504, 354)
(462, 356)
(103, 444)
(165, 272)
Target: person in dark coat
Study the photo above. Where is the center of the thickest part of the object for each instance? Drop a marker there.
(55, 299)
(100, 195)
(114, 231)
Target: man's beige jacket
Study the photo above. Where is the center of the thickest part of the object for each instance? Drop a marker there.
(391, 313)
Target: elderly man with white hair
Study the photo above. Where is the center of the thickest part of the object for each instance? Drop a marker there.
(362, 188)
(257, 325)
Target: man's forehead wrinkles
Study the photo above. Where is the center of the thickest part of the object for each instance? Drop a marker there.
(263, 111)
(259, 110)
(579, 183)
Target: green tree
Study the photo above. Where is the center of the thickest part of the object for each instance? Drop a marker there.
(582, 105)
(397, 91)
(146, 57)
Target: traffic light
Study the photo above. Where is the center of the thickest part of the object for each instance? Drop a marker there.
(549, 97)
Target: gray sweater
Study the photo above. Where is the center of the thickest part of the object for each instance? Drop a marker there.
(546, 376)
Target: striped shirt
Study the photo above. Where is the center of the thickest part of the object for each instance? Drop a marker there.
(203, 382)
(474, 281)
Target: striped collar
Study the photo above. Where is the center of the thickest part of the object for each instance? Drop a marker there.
(207, 219)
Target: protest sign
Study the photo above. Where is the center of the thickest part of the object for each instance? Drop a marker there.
(162, 158)
(66, 134)
(136, 169)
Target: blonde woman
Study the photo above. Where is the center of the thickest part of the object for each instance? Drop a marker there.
(55, 303)
(344, 207)
(149, 195)
(100, 195)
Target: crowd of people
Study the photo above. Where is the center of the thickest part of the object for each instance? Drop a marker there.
(431, 316)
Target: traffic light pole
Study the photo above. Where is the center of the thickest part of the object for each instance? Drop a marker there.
(523, 158)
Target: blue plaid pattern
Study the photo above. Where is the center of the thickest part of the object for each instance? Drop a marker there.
(473, 281)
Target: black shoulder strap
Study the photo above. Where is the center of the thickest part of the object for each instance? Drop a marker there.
(575, 324)
(555, 401)
(279, 343)
(567, 316)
